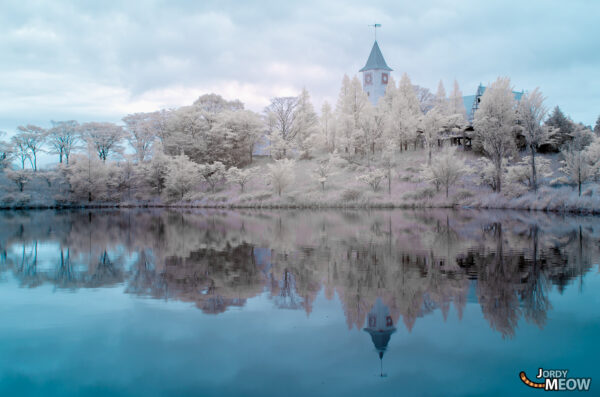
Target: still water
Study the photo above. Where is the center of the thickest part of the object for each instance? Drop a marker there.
(294, 303)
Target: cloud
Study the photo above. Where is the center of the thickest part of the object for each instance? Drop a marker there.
(92, 60)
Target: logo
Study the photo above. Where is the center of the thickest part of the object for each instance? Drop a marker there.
(556, 380)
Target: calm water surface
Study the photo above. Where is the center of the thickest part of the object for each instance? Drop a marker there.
(152, 302)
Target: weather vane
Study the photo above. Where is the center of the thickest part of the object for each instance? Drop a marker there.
(375, 26)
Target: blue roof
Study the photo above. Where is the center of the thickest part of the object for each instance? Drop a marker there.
(469, 100)
(376, 60)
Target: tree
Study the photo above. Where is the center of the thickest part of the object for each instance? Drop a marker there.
(494, 122)
(20, 149)
(531, 113)
(34, 138)
(404, 114)
(6, 153)
(213, 174)
(322, 172)
(63, 137)
(280, 116)
(457, 104)
(140, 133)
(281, 173)
(350, 110)
(88, 176)
(431, 125)
(446, 169)
(105, 137)
(157, 169)
(326, 122)
(389, 163)
(19, 177)
(234, 136)
(306, 124)
(579, 165)
(558, 119)
(181, 177)
(521, 173)
(373, 178)
(240, 176)
(425, 97)
(597, 127)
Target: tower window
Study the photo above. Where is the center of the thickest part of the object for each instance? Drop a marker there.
(368, 79)
(384, 78)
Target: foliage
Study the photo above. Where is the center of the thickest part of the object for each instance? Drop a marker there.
(281, 173)
(373, 178)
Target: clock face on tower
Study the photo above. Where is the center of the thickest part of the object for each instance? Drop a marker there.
(368, 79)
(384, 78)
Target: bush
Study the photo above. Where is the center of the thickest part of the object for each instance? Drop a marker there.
(462, 194)
(419, 194)
(351, 195)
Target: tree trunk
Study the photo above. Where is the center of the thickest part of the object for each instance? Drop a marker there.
(447, 188)
(498, 180)
(390, 181)
(533, 170)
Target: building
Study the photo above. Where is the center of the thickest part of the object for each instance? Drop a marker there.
(472, 101)
(376, 74)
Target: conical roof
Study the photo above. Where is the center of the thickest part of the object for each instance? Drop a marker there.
(376, 60)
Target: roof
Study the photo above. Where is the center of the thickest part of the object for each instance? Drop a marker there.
(469, 100)
(376, 60)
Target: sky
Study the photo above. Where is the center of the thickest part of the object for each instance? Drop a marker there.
(91, 60)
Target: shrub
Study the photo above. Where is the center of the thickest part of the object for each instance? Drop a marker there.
(351, 195)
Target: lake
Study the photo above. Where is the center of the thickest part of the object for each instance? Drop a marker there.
(214, 302)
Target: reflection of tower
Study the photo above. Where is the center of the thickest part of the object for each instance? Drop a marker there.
(381, 327)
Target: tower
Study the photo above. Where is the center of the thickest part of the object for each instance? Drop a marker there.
(375, 75)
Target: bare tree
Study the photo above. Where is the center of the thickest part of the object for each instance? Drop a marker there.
(63, 137)
(531, 113)
(34, 138)
(280, 115)
(140, 133)
(105, 137)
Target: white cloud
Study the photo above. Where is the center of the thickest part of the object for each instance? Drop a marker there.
(102, 60)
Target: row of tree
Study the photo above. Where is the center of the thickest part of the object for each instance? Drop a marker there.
(212, 140)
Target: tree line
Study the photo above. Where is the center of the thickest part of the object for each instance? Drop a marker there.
(211, 142)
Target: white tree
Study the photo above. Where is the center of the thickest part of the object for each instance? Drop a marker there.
(63, 137)
(306, 124)
(181, 177)
(579, 165)
(494, 122)
(106, 138)
(281, 173)
(431, 124)
(446, 169)
(237, 132)
(157, 169)
(87, 176)
(531, 113)
(322, 172)
(6, 153)
(326, 122)
(19, 177)
(19, 149)
(240, 176)
(524, 174)
(350, 110)
(213, 174)
(457, 104)
(404, 114)
(34, 138)
(141, 133)
(373, 178)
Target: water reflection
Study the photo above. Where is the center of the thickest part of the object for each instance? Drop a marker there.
(385, 267)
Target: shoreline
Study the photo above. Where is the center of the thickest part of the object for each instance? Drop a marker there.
(289, 206)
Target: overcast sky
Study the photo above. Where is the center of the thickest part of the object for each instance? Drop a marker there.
(99, 60)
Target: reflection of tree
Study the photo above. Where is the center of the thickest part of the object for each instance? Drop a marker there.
(415, 262)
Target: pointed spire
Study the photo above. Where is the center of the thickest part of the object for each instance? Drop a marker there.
(376, 60)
